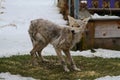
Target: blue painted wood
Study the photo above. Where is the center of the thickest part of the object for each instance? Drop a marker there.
(76, 8)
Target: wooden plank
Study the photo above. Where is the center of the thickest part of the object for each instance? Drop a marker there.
(105, 19)
(107, 30)
(104, 9)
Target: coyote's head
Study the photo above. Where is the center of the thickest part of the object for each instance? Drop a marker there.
(78, 25)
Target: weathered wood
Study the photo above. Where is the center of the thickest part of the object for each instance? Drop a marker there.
(107, 30)
(90, 34)
(109, 34)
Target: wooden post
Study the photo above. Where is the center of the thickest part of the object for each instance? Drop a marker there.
(69, 5)
(92, 34)
(76, 8)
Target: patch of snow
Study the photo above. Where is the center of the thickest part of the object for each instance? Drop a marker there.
(96, 16)
(104, 53)
(83, 1)
(109, 78)
(8, 76)
(14, 39)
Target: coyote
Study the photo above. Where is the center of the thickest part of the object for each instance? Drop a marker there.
(42, 32)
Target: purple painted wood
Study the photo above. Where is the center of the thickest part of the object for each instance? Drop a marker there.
(89, 3)
(100, 3)
(112, 3)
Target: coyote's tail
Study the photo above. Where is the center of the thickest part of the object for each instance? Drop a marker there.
(32, 31)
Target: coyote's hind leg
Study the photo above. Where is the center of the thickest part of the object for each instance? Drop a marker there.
(42, 46)
(33, 53)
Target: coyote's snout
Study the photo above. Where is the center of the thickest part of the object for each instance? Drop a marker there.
(42, 32)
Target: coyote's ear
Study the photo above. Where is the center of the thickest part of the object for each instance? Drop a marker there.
(71, 20)
(87, 19)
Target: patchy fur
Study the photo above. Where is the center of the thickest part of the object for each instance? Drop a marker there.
(43, 32)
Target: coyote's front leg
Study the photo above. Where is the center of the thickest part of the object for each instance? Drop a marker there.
(59, 54)
(70, 59)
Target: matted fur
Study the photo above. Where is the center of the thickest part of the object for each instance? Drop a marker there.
(43, 32)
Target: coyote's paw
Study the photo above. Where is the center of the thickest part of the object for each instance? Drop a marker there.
(45, 60)
(66, 69)
(75, 68)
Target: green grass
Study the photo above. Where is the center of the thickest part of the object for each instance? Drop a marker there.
(91, 68)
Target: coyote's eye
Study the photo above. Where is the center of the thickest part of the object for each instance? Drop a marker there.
(84, 21)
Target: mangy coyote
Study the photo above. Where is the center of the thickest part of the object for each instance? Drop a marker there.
(42, 32)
